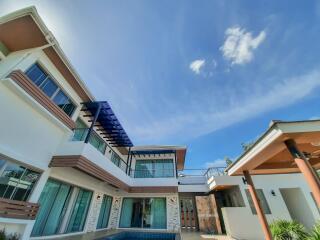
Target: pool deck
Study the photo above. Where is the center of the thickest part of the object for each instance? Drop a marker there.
(191, 235)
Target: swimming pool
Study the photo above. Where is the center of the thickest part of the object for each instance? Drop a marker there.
(141, 236)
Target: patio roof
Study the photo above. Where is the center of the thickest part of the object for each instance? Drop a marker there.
(109, 125)
(269, 154)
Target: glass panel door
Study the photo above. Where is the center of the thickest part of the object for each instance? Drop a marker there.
(131, 214)
(144, 212)
(104, 212)
(53, 201)
(158, 215)
(79, 212)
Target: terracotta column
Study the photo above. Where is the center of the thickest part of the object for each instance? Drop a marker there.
(306, 169)
(257, 205)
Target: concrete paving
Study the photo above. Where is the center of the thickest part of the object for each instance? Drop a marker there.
(185, 235)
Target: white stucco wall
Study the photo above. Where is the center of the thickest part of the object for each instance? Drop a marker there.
(30, 134)
(242, 224)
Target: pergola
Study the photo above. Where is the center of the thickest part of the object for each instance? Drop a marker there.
(286, 147)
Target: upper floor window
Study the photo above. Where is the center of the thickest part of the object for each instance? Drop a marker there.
(16, 182)
(159, 168)
(50, 88)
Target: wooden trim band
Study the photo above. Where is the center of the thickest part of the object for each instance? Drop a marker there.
(81, 163)
(18, 209)
(156, 189)
(26, 84)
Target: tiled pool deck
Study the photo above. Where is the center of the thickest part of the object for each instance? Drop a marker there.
(185, 235)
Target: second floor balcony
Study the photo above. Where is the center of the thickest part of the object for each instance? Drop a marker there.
(198, 180)
(80, 134)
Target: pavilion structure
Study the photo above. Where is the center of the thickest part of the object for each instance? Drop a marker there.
(286, 147)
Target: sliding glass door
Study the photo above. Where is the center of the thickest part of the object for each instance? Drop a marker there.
(79, 212)
(53, 201)
(104, 212)
(63, 209)
(143, 213)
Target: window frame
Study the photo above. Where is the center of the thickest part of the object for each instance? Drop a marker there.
(26, 168)
(105, 196)
(143, 202)
(66, 214)
(154, 168)
(250, 200)
(54, 80)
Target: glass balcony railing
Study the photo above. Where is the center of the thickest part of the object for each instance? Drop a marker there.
(152, 173)
(215, 171)
(97, 142)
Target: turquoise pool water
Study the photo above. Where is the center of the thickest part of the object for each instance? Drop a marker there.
(140, 236)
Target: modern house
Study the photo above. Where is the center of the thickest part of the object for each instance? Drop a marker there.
(68, 167)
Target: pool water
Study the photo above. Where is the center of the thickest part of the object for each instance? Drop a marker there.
(140, 236)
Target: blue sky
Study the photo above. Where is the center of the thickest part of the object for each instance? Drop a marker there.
(206, 74)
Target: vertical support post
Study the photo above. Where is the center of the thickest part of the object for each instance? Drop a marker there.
(257, 205)
(306, 169)
(175, 162)
(130, 163)
(128, 159)
(94, 120)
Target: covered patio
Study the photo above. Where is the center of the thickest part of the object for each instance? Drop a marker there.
(286, 147)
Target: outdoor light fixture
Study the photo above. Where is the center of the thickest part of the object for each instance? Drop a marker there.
(244, 180)
(273, 193)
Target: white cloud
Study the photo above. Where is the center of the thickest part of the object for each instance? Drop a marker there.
(239, 45)
(215, 163)
(203, 120)
(314, 118)
(197, 65)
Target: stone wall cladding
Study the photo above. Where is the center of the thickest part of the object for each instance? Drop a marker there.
(115, 212)
(173, 213)
(94, 212)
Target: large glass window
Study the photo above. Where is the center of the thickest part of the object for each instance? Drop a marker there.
(53, 202)
(50, 88)
(144, 213)
(16, 181)
(104, 212)
(80, 210)
(159, 168)
(63, 209)
(262, 199)
(64, 102)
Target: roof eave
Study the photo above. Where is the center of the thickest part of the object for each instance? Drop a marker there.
(32, 11)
